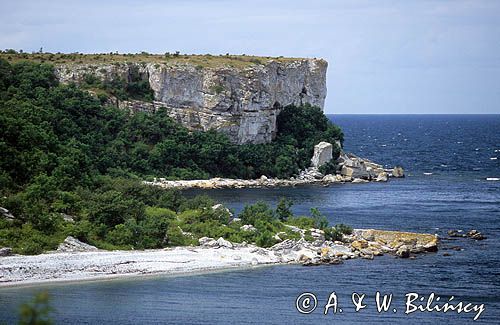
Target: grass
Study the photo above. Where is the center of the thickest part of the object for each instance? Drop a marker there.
(199, 61)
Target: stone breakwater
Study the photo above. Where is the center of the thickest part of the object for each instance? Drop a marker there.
(70, 263)
(350, 169)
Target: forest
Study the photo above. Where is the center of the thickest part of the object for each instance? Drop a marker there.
(68, 156)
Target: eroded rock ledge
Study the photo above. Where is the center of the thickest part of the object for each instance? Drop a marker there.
(350, 169)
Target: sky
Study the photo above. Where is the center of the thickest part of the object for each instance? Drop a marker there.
(385, 57)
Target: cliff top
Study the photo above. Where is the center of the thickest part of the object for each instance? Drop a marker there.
(205, 60)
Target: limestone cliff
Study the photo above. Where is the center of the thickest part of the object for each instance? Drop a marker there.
(242, 102)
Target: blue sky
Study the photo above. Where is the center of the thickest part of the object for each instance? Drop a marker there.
(384, 56)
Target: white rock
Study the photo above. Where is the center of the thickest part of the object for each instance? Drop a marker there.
(382, 177)
(241, 102)
(71, 244)
(204, 240)
(224, 243)
(359, 180)
(323, 153)
(6, 214)
(248, 228)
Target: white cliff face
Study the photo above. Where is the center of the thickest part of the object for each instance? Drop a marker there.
(241, 102)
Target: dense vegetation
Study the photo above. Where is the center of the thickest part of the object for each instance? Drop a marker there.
(65, 154)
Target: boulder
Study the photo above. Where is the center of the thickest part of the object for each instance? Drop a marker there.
(359, 244)
(317, 234)
(71, 244)
(284, 245)
(6, 251)
(6, 214)
(223, 209)
(68, 218)
(248, 228)
(204, 240)
(403, 251)
(331, 178)
(346, 171)
(359, 180)
(382, 177)
(398, 171)
(474, 234)
(224, 243)
(456, 233)
(323, 153)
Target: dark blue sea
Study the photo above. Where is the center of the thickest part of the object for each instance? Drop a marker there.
(447, 159)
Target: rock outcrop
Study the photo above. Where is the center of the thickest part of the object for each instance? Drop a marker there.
(6, 214)
(71, 244)
(399, 243)
(242, 102)
(323, 153)
(354, 167)
(5, 251)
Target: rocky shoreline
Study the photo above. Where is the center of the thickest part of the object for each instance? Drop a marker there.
(350, 169)
(75, 262)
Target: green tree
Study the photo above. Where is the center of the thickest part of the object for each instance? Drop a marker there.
(320, 221)
(283, 210)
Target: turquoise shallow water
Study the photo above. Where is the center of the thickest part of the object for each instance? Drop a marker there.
(455, 149)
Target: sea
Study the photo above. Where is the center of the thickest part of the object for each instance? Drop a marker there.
(452, 166)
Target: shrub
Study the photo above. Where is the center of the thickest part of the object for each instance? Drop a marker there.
(256, 212)
(320, 220)
(265, 239)
(301, 222)
(283, 211)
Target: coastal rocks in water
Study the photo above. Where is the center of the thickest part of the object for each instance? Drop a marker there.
(328, 179)
(403, 251)
(352, 166)
(392, 241)
(456, 233)
(310, 174)
(398, 171)
(323, 153)
(5, 251)
(382, 177)
(6, 214)
(474, 234)
(359, 244)
(71, 244)
(359, 180)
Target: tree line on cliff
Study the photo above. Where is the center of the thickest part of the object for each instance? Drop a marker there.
(64, 153)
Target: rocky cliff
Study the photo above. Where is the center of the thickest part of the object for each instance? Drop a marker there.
(242, 102)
